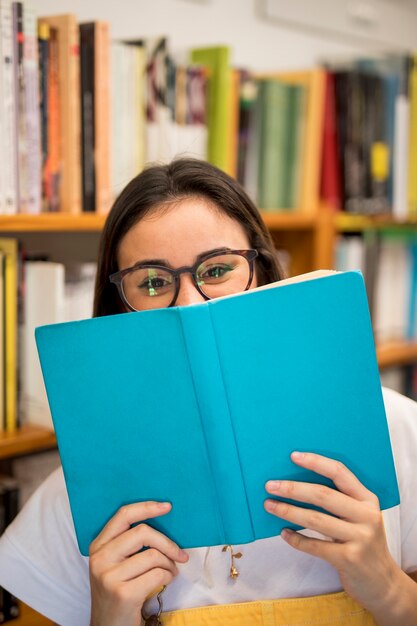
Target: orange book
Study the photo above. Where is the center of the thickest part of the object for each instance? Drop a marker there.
(69, 110)
(52, 164)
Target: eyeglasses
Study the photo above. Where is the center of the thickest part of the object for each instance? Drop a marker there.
(221, 273)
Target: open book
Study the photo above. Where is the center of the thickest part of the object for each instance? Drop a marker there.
(201, 405)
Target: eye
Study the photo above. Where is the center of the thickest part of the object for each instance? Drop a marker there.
(215, 271)
(155, 285)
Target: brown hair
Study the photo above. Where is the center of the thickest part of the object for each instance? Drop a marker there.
(161, 184)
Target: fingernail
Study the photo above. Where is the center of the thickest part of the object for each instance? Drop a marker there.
(297, 455)
(269, 505)
(273, 485)
(164, 506)
(183, 554)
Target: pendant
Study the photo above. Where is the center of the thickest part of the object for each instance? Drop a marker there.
(234, 573)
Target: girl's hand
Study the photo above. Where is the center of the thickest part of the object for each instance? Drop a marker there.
(356, 546)
(121, 579)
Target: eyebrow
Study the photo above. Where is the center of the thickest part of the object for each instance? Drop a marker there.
(167, 264)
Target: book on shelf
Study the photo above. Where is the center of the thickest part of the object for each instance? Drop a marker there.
(9, 248)
(8, 171)
(224, 391)
(69, 110)
(32, 112)
(330, 182)
(217, 60)
(44, 303)
(95, 115)
(412, 165)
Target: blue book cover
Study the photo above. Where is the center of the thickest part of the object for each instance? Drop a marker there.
(201, 405)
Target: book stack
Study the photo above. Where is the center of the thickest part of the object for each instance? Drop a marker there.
(9, 504)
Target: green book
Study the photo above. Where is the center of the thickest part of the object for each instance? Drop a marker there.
(217, 60)
(275, 104)
(296, 132)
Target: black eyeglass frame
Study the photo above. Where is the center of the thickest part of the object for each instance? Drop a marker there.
(117, 277)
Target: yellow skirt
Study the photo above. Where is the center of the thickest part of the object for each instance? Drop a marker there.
(334, 608)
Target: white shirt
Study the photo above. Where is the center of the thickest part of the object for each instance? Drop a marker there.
(41, 564)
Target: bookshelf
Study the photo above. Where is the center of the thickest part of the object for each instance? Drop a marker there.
(26, 440)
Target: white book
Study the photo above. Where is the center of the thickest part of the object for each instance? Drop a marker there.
(350, 254)
(392, 291)
(44, 303)
(401, 157)
(8, 111)
(32, 112)
(79, 290)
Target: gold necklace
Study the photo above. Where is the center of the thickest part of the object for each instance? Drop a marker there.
(233, 574)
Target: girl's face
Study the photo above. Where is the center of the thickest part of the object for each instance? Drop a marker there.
(177, 235)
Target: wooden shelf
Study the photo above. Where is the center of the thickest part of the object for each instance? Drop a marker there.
(52, 222)
(351, 223)
(394, 353)
(59, 222)
(26, 440)
(289, 220)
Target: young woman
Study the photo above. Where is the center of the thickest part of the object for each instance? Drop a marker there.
(357, 566)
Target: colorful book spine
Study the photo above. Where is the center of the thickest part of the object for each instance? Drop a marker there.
(275, 98)
(69, 109)
(217, 60)
(10, 250)
(53, 166)
(330, 185)
(43, 55)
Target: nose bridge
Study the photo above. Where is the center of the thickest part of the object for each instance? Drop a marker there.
(188, 293)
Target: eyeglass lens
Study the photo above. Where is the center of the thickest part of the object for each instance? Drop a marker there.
(152, 287)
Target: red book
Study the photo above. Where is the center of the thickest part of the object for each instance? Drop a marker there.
(330, 184)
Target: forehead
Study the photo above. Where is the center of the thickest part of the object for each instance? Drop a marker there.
(178, 232)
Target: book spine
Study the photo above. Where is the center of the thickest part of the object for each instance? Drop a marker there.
(87, 59)
(19, 78)
(102, 117)
(401, 146)
(43, 56)
(11, 335)
(53, 166)
(32, 113)
(69, 110)
(7, 109)
(330, 169)
(216, 422)
(412, 165)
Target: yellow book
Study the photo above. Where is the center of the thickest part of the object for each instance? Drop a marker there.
(412, 161)
(9, 248)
